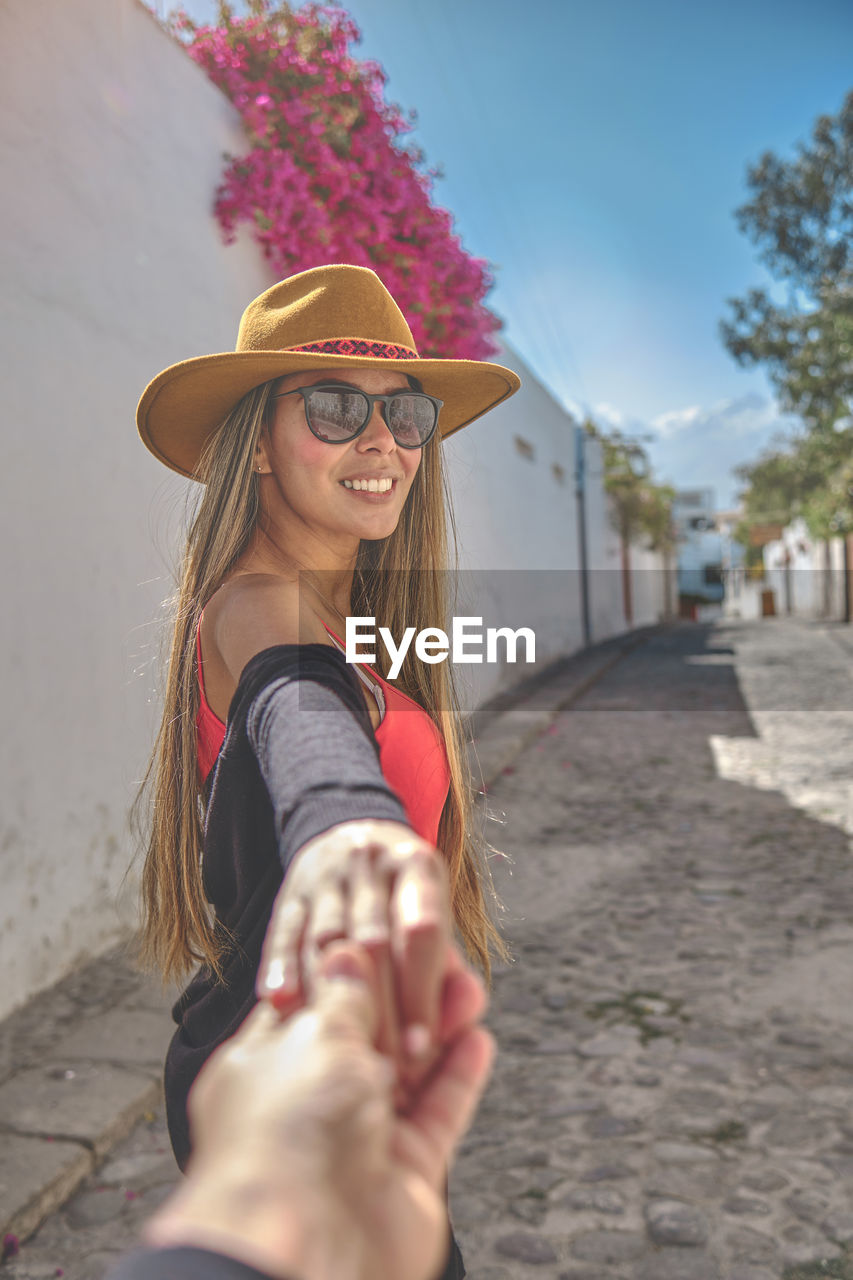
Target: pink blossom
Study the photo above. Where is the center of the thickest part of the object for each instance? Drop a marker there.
(328, 176)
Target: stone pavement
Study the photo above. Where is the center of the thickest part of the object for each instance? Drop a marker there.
(81, 1064)
(672, 1098)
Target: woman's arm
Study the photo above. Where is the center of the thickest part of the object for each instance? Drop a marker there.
(354, 867)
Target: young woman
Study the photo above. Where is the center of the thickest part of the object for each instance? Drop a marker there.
(282, 774)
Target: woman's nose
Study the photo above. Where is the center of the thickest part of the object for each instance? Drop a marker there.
(376, 434)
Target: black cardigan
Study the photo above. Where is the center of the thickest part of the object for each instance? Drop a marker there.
(244, 850)
(245, 845)
(182, 1263)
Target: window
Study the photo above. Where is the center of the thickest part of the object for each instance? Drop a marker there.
(525, 448)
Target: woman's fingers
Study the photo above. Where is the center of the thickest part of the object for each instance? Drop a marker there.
(370, 886)
(369, 925)
(327, 922)
(387, 890)
(279, 976)
(419, 936)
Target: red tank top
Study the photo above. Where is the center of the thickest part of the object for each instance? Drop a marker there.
(411, 751)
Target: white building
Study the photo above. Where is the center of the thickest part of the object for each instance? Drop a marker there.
(700, 546)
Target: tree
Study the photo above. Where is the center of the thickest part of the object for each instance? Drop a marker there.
(801, 218)
(810, 475)
(640, 508)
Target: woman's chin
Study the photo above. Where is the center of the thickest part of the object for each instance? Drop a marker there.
(373, 526)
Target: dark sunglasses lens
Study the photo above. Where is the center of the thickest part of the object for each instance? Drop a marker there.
(336, 415)
(411, 419)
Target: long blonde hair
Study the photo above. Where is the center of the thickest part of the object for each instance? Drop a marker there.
(401, 581)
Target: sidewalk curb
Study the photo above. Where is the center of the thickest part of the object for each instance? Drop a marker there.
(69, 1162)
(519, 725)
(63, 1111)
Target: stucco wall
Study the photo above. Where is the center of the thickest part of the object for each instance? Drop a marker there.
(110, 148)
(514, 493)
(111, 145)
(805, 574)
(513, 484)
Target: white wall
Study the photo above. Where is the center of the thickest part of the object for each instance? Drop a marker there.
(517, 524)
(111, 144)
(110, 147)
(648, 586)
(805, 574)
(517, 521)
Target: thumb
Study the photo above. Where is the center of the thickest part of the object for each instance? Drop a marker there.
(345, 992)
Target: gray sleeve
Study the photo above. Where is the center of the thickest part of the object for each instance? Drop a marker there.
(319, 765)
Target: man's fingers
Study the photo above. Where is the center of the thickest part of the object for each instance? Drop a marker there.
(346, 992)
(445, 1107)
(387, 1039)
(463, 1002)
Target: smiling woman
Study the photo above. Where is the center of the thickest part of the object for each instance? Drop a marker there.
(332, 804)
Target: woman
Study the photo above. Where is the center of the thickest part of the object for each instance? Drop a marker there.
(317, 442)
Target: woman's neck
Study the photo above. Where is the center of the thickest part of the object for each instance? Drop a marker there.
(327, 573)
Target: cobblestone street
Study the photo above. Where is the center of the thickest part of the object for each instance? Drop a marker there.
(673, 1097)
(674, 1094)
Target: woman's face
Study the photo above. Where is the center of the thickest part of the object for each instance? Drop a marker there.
(309, 475)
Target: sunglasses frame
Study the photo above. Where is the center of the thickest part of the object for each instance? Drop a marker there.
(371, 402)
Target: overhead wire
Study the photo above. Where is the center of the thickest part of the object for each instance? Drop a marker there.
(542, 324)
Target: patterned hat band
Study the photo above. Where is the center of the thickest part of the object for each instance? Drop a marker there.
(358, 347)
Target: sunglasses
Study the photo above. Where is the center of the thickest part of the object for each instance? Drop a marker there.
(337, 414)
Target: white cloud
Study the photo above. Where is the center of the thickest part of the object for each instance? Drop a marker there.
(669, 424)
(699, 447)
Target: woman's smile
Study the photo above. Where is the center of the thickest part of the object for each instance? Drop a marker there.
(381, 486)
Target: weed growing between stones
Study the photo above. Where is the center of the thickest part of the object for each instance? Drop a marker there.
(728, 1131)
(826, 1269)
(640, 1009)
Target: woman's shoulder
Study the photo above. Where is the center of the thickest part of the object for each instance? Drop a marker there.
(255, 611)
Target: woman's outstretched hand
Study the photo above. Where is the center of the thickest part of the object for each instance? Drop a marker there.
(380, 885)
(301, 1164)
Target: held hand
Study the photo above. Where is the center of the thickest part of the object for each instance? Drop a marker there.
(301, 1165)
(380, 885)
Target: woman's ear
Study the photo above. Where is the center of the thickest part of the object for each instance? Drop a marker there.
(261, 461)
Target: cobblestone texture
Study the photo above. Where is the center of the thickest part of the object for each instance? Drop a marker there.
(672, 1098)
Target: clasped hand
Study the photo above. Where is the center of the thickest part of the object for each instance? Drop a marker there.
(302, 1167)
(378, 884)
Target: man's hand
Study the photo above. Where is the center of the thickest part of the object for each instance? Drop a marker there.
(301, 1166)
(380, 885)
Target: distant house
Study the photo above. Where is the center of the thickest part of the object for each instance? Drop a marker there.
(705, 547)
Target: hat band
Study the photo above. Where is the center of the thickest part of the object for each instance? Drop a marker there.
(358, 347)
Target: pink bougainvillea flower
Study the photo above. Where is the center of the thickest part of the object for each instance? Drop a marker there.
(328, 175)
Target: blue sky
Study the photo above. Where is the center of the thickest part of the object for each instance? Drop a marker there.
(594, 153)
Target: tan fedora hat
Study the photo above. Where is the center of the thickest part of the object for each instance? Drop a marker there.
(332, 317)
